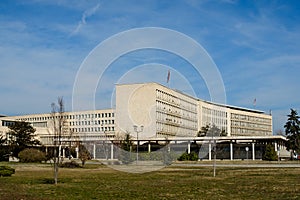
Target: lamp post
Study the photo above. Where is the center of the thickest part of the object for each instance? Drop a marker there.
(247, 149)
(105, 142)
(135, 128)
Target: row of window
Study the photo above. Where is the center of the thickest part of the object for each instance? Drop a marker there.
(175, 111)
(213, 120)
(167, 129)
(7, 123)
(175, 121)
(39, 124)
(95, 122)
(240, 132)
(214, 112)
(250, 118)
(214, 117)
(184, 104)
(250, 125)
(89, 116)
(92, 129)
(74, 116)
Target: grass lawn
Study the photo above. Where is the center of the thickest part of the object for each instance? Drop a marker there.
(35, 181)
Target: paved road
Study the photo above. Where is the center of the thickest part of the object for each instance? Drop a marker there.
(279, 165)
(250, 164)
(148, 166)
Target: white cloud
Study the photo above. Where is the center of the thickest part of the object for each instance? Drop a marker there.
(256, 48)
(87, 13)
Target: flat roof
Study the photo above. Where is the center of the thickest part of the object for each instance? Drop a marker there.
(198, 99)
(236, 107)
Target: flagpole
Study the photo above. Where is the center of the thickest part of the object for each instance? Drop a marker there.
(168, 78)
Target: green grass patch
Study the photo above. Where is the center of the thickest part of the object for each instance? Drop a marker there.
(101, 182)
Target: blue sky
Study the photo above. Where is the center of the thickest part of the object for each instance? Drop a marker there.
(254, 44)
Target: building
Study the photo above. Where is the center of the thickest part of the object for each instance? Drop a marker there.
(162, 111)
(165, 112)
(77, 126)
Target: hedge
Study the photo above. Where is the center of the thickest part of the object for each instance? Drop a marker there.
(6, 171)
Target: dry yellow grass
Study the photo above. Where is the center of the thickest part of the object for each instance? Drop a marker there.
(101, 182)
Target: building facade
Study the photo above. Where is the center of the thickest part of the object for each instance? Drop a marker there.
(77, 126)
(235, 121)
(163, 112)
(170, 113)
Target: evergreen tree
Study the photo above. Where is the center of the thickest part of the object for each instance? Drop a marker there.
(4, 150)
(21, 135)
(270, 153)
(2, 140)
(292, 131)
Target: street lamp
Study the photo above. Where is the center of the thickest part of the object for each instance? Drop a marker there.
(105, 142)
(247, 149)
(135, 128)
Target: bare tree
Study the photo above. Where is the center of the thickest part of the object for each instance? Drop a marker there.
(58, 123)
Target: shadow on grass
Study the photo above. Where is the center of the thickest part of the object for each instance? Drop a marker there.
(51, 181)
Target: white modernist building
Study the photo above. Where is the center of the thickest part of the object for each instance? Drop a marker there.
(164, 113)
(77, 126)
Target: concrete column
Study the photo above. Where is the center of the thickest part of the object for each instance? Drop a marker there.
(231, 151)
(77, 152)
(149, 147)
(209, 151)
(275, 146)
(63, 153)
(112, 151)
(253, 150)
(59, 151)
(189, 147)
(94, 151)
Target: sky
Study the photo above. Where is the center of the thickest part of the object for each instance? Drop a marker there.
(255, 45)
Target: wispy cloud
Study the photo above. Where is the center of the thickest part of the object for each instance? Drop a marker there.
(87, 13)
(254, 44)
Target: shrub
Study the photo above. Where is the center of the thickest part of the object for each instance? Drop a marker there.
(4, 153)
(270, 153)
(32, 155)
(6, 171)
(183, 157)
(193, 156)
(72, 164)
(188, 156)
(84, 154)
